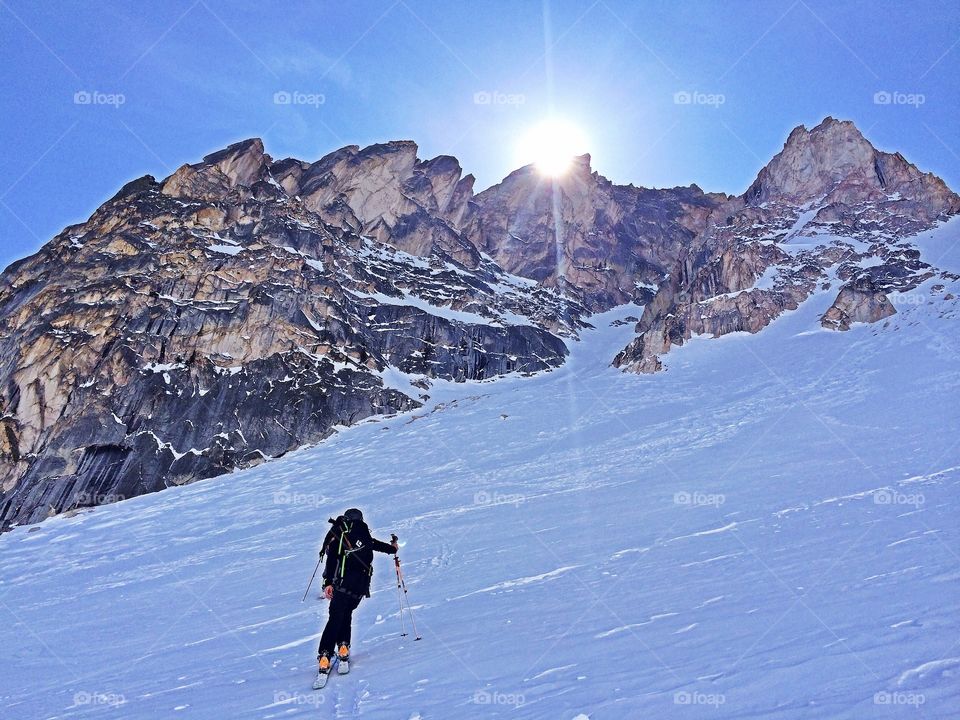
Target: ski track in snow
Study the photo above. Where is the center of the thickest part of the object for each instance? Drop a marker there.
(765, 530)
(509, 584)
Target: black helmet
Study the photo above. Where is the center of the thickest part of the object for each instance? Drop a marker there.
(353, 515)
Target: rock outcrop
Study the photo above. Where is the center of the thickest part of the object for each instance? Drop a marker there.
(859, 301)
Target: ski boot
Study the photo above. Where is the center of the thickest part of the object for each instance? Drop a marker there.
(343, 659)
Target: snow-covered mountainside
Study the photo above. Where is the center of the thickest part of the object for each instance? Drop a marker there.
(767, 530)
(245, 307)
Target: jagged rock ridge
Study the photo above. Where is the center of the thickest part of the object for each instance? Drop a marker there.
(243, 306)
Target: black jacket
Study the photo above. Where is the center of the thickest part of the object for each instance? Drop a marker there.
(349, 547)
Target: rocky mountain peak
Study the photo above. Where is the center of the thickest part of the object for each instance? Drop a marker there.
(581, 164)
(395, 158)
(385, 191)
(834, 163)
(827, 207)
(240, 161)
(573, 180)
(240, 164)
(814, 162)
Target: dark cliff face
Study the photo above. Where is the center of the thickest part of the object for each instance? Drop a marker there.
(246, 306)
(216, 319)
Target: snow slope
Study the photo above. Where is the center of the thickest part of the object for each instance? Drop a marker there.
(768, 529)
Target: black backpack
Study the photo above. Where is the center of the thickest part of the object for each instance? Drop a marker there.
(350, 542)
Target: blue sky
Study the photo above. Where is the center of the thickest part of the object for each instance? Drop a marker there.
(169, 82)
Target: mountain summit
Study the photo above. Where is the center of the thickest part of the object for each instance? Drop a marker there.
(245, 306)
(833, 162)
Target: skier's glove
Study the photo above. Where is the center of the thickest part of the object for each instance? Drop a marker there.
(328, 592)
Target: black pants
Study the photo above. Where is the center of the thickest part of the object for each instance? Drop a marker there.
(337, 629)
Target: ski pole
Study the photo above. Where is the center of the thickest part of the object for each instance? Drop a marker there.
(403, 584)
(403, 625)
(311, 578)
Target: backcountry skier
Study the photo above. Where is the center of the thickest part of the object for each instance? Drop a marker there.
(346, 581)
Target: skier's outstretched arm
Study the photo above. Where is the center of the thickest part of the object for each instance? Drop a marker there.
(381, 546)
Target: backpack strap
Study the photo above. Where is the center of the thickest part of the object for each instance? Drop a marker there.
(345, 529)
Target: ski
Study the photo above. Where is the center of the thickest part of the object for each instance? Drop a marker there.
(321, 680)
(343, 668)
(322, 677)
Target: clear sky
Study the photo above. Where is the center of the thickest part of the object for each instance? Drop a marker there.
(96, 94)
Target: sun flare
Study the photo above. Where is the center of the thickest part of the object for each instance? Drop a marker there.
(551, 146)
